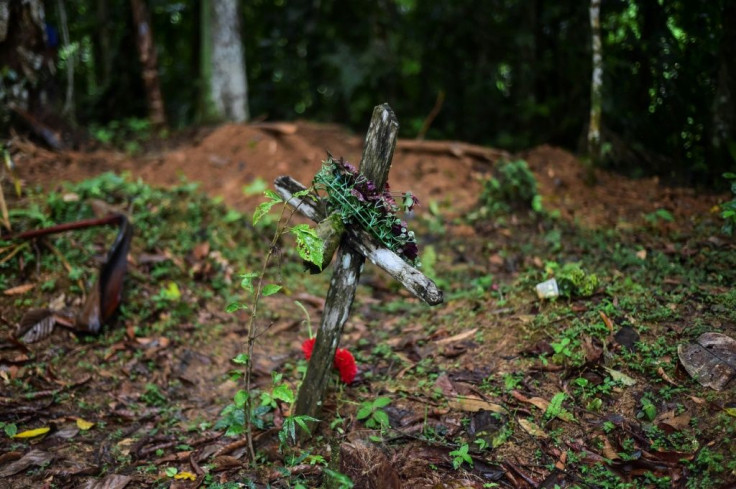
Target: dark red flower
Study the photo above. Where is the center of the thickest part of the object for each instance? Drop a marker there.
(345, 364)
(410, 250)
(308, 346)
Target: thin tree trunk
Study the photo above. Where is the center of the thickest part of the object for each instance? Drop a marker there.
(103, 47)
(223, 62)
(596, 85)
(149, 62)
(68, 109)
(724, 104)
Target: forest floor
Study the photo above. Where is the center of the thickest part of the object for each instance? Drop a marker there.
(492, 388)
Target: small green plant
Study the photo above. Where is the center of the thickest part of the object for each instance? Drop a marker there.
(309, 247)
(338, 480)
(573, 281)
(461, 456)
(513, 187)
(648, 410)
(153, 396)
(555, 409)
(10, 429)
(373, 414)
(728, 210)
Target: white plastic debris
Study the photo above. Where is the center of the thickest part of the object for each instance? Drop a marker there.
(548, 289)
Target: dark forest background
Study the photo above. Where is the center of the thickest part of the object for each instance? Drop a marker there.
(513, 73)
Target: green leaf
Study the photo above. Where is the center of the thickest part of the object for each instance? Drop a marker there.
(272, 195)
(308, 244)
(10, 429)
(241, 358)
(283, 393)
(257, 186)
(240, 397)
(381, 418)
(235, 306)
(246, 281)
(263, 209)
(235, 429)
(171, 471)
(555, 405)
(270, 289)
(301, 193)
(171, 292)
(364, 411)
(381, 402)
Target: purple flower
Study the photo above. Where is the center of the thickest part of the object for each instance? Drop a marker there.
(358, 195)
(410, 251)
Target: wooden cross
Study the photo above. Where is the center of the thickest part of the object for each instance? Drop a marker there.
(357, 245)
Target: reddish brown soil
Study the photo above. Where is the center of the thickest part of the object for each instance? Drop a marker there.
(227, 158)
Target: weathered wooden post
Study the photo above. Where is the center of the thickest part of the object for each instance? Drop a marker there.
(356, 246)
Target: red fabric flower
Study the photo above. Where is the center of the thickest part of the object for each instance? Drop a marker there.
(344, 361)
(308, 346)
(345, 364)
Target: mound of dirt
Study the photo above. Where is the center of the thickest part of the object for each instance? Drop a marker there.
(229, 157)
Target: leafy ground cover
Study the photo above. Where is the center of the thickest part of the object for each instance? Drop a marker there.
(494, 388)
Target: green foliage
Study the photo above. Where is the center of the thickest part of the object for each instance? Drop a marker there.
(373, 414)
(728, 209)
(513, 187)
(573, 281)
(10, 429)
(127, 134)
(461, 456)
(308, 244)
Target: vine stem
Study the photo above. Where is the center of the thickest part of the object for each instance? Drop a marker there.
(281, 229)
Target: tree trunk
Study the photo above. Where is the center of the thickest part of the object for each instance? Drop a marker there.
(596, 85)
(23, 57)
(149, 62)
(723, 132)
(224, 84)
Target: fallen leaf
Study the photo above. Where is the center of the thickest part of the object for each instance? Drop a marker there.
(112, 481)
(67, 432)
(473, 404)
(18, 290)
(36, 325)
(666, 377)
(592, 352)
(32, 433)
(458, 337)
(540, 403)
(186, 475)
(34, 458)
(531, 428)
(711, 360)
(620, 377)
(445, 385)
(675, 422)
(84, 425)
(608, 451)
(607, 321)
(641, 254)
